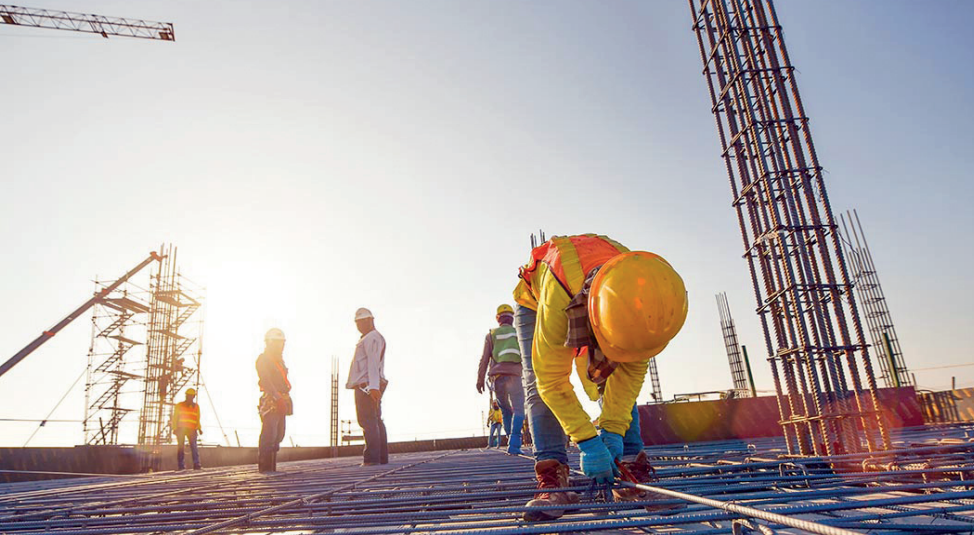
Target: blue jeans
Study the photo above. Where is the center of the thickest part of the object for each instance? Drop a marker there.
(510, 398)
(547, 433)
(495, 436)
(632, 441)
(373, 428)
(182, 436)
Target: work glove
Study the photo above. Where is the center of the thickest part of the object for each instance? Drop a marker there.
(612, 441)
(597, 462)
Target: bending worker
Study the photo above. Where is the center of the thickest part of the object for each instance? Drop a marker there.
(186, 425)
(275, 402)
(587, 300)
(503, 357)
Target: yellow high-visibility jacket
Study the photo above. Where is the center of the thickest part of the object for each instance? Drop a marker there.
(554, 274)
(495, 417)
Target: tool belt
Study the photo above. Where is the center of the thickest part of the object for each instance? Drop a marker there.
(281, 403)
(382, 386)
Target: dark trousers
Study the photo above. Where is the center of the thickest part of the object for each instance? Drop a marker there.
(271, 431)
(373, 428)
(181, 437)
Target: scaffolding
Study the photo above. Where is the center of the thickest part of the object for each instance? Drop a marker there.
(823, 376)
(743, 386)
(117, 327)
(170, 365)
(878, 319)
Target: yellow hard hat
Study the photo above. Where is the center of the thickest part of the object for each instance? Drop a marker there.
(274, 334)
(190, 391)
(504, 309)
(637, 304)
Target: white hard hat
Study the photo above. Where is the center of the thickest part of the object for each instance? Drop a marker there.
(274, 334)
(363, 313)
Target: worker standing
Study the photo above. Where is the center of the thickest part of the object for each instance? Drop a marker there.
(500, 362)
(494, 421)
(587, 300)
(367, 377)
(186, 426)
(275, 402)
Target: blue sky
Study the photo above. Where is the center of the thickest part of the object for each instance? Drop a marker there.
(309, 158)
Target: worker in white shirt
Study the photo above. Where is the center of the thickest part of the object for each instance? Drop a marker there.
(367, 377)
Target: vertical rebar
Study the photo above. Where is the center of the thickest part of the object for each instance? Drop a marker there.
(804, 294)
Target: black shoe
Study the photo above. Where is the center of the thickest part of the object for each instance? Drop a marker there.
(197, 467)
(264, 463)
(370, 463)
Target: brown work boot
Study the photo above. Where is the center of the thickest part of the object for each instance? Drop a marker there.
(644, 474)
(551, 475)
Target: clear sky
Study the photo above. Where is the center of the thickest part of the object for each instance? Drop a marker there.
(309, 158)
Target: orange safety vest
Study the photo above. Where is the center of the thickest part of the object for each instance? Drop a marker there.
(186, 415)
(570, 258)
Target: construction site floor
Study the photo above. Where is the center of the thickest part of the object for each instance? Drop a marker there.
(726, 487)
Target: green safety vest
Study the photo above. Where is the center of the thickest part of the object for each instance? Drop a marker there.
(506, 348)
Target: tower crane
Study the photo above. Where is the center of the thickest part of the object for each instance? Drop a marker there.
(86, 23)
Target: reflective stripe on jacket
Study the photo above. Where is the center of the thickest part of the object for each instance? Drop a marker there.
(186, 415)
(505, 344)
(555, 272)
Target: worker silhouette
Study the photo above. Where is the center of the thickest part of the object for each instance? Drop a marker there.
(275, 402)
(186, 426)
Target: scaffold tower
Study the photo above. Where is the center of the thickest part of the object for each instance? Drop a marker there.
(823, 376)
(117, 327)
(170, 363)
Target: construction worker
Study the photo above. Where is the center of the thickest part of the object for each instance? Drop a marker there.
(500, 362)
(587, 300)
(367, 377)
(495, 421)
(275, 401)
(186, 425)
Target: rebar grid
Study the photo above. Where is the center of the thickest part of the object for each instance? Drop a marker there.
(922, 486)
(801, 282)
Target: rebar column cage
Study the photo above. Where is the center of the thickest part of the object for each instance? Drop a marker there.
(334, 402)
(117, 327)
(874, 306)
(656, 393)
(824, 380)
(174, 300)
(742, 387)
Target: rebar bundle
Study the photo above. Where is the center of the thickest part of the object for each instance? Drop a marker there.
(820, 364)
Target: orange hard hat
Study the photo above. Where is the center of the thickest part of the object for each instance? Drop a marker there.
(636, 305)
